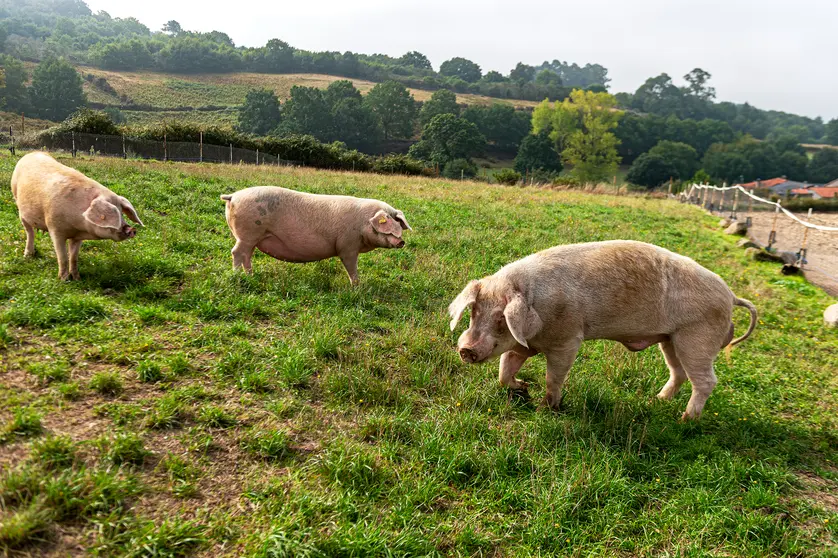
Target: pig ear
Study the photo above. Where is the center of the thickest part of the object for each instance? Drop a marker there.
(129, 211)
(103, 213)
(402, 221)
(464, 300)
(523, 321)
(383, 223)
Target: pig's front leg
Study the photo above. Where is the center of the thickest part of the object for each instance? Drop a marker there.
(510, 364)
(350, 262)
(59, 242)
(29, 251)
(75, 245)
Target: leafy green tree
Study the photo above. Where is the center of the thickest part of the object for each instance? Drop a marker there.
(537, 153)
(651, 170)
(823, 167)
(548, 77)
(339, 90)
(462, 68)
(308, 112)
(522, 73)
(493, 76)
(726, 165)
(501, 124)
(697, 80)
(581, 128)
(441, 102)
(682, 157)
(447, 137)
(56, 90)
(130, 54)
(415, 59)
(793, 165)
(832, 132)
(395, 108)
(788, 142)
(356, 125)
(13, 94)
(3, 36)
(172, 28)
(260, 112)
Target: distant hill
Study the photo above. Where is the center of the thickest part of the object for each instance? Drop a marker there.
(213, 98)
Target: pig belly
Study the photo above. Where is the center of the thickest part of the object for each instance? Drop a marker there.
(306, 252)
(639, 343)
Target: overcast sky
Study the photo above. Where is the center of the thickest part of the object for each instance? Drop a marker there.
(774, 54)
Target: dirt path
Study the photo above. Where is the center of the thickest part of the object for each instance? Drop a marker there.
(822, 247)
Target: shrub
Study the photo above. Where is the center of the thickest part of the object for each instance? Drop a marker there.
(106, 383)
(460, 168)
(395, 163)
(508, 177)
(149, 372)
(87, 121)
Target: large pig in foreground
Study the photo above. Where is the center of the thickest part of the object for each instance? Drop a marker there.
(631, 292)
(300, 227)
(70, 206)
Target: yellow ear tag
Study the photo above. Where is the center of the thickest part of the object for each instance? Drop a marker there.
(382, 220)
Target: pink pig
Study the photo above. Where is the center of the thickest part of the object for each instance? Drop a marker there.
(299, 227)
(70, 206)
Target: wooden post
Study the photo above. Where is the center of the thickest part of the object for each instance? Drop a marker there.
(257, 156)
(735, 204)
(201, 146)
(670, 185)
(750, 204)
(462, 174)
(22, 124)
(12, 137)
(73, 149)
(772, 236)
(616, 191)
(231, 153)
(124, 153)
(165, 148)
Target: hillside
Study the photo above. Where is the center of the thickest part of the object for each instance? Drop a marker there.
(168, 406)
(215, 96)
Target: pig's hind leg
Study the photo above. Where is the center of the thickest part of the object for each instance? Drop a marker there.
(243, 255)
(677, 375)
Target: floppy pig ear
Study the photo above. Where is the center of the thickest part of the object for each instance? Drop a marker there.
(400, 218)
(464, 300)
(129, 211)
(522, 320)
(103, 214)
(383, 223)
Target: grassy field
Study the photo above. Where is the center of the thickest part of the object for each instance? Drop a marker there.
(167, 406)
(228, 90)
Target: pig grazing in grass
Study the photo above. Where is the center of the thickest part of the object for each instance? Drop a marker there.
(631, 292)
(69, 206)
(300, 227)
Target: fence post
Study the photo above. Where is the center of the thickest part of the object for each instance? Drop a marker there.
(735, 204)
(12, 137)
(201, 146)
(772, 236)
(257, 157)
(73, 148)
(462, 174)
(231, 153)
(124, 153)
(750, 203)
(801, 255)
(165, 148)
(22, 124)
(670, 185)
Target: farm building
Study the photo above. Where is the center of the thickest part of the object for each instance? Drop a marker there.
(780, 186)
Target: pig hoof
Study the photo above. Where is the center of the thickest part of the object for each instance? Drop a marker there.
(29, 254)
(551, 404)
(520, 395)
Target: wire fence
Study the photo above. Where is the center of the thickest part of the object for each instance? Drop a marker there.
(135, 148)
(735, 202)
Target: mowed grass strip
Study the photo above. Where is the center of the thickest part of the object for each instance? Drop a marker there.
(166, 402)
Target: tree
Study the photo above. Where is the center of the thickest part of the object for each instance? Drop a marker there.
(793, 165)
(580, 126)
(395, 107)
(658, 95)
(447, 137)
(682, 157)
(522, 73)
(415, 59)
(651, 170)
(356, 125)
(697, 80)
(340, 90)
(260, 112)
(459, 168)
(173, 28)
(537, 153)
(832, 132)
(13, 89)
(307, 112)
(462, 68)
(726, 165)
(823, 167)
(441, 102)
(501, 124)
(548, 77)
(494, 77)
(56, 90)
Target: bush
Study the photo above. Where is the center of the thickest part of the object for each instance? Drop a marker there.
(87, 121)
(508, 177)
(460, 168)
(397, 164)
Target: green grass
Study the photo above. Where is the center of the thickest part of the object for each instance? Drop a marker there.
(342, 420)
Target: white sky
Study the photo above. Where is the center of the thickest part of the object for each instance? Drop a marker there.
(775, 54)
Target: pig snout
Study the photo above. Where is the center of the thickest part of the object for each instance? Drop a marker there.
(467, 355)
(128, 232)
(400, 244)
